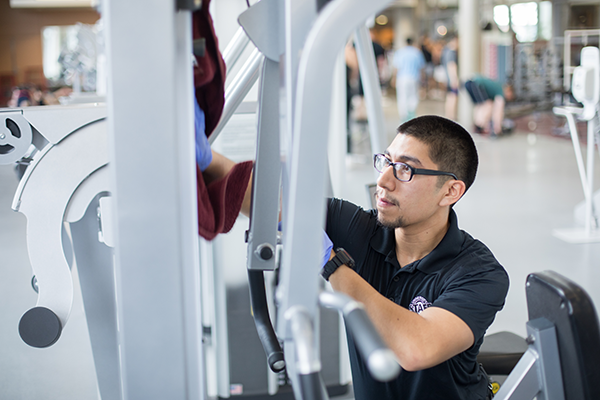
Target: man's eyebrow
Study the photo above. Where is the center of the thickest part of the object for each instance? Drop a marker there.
(404, 158)
(413, 160)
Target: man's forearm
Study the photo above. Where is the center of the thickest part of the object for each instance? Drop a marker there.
(219, 168)
(419, 340)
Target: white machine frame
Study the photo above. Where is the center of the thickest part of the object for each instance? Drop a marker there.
(148, 342)
(586, 89)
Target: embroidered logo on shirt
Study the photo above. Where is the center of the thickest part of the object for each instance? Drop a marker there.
(419, 304)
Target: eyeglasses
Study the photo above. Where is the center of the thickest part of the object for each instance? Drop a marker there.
(403, 172)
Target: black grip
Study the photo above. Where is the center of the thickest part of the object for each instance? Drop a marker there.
(40, 327)
(262, 320)
(311, 387)
(189, 5)
(199, 47)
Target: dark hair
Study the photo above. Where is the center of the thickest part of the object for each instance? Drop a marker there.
(451, 147)
(409, 41)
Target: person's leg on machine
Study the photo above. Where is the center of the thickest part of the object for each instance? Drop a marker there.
(477, 118)
(402, 97)
(450, 104)
(497, 114)
(412, 98)
(482, 115)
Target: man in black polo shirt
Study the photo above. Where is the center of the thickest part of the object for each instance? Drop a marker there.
(430, 288)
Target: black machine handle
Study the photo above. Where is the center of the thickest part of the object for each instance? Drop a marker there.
(262, 320)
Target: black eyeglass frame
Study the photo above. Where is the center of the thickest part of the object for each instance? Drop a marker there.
(413, 171)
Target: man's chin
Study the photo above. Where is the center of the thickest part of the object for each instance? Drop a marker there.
(389, 223)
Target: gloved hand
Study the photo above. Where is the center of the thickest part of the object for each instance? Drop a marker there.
(203, 153)
(327, 246)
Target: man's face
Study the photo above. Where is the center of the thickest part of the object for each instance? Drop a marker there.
(413, 203)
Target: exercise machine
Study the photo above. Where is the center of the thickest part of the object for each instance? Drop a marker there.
(63, 192)
(155, 298)
(148, 142)
(586, 89)
(276, 143)
(303, 147)
(563, 337)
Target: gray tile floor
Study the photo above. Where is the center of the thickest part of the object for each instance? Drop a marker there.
(527, 186)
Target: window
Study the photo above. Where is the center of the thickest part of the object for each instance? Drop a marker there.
(545, 29)
(502, 17)
(524, 21)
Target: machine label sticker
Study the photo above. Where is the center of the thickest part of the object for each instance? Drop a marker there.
(419, 304)
(236, 389)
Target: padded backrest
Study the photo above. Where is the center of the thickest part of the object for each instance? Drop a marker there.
(569, 307)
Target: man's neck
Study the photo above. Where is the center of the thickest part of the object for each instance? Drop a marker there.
(415, 242)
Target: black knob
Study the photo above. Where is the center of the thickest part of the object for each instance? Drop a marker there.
(199, 47)
(40, 327)
(265, 251)
(276, 361)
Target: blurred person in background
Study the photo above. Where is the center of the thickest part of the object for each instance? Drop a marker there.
(408, 63)
(450, 64)
(489, 97)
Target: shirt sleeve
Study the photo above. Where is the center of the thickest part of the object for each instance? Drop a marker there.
(475, 294)
(347, 225)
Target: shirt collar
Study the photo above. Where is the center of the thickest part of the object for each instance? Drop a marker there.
(384, 242)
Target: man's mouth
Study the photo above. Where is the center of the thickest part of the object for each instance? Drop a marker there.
(384, 201)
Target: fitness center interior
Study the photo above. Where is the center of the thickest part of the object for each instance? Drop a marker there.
(78, 77)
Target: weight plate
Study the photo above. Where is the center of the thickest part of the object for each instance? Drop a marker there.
(15, 138)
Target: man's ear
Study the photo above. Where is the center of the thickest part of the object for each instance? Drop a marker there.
(453, 191)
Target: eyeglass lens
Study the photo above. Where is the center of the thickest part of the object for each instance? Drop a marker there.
(402, 171)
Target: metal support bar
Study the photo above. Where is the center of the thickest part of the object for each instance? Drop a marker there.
(538, 373)
(523, 382)
(304, 180)
(262, 235)
(569, 113)
(235, 48)
(301, 327)
(369, 76)
(237, 90)
(262, 238)
(302, 237)
(589, 200)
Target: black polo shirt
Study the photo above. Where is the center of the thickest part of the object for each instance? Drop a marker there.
(460, 275)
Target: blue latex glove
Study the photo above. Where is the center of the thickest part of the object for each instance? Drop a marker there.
(327, 246)
(203, 153)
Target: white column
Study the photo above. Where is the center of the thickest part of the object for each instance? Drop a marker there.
(469, 40)
(152, 162)
(404, 26)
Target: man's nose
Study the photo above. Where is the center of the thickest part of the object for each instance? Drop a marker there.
(386, 179)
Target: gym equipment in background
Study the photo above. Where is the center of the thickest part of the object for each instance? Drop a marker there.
(586, 90)
(561, 361)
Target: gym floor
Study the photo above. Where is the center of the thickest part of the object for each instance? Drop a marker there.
(527, 186)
